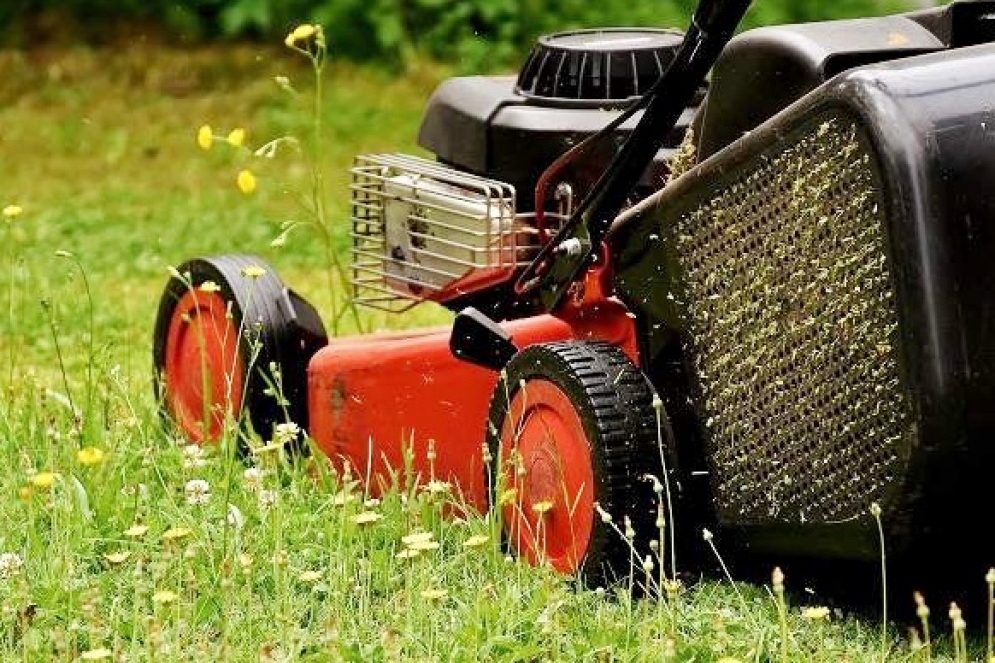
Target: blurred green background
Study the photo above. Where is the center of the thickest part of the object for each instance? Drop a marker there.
(473, 34)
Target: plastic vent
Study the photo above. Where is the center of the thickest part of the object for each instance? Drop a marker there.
(602, 65)
(795, 330)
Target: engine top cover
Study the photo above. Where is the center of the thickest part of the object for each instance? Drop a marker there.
(597, 66)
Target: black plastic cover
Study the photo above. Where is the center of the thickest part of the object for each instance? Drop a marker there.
(764, 70)
(931, 122)
(481, 125)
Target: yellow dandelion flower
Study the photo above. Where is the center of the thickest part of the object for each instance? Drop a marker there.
(366, 517)
(136, 531)
(44, 480)
(164, 596)
(96, 654)
(117, 557)
(253, 271)
(205, 137)
(90, 456)
(816, 613)
(237, 137)
(476, 541)
(433, 594)
(299, 34)
(542, 507)
(310, 576)
(246, 181)
(176, 533)
(25, 492)
(209, 286)
(11, 211)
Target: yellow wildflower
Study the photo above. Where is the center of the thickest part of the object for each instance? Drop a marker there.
(164, 596)
(433, 594)
(176, 533)
(205, 137)
(366, 517)
(11, 211)
(299, 34)
(816, 613)
(436, 487)
(237, 137)
(507, 496)
(416, 538)
(96, 654)
(246, 181)
(90, 456)
(209, 286)
(44, 480)
(476, 541)
(310, 576)
(253, 271)
(25, 492)
(542, 507)
(117, 557)
(343, 498)
(136, 531)
(423, 545)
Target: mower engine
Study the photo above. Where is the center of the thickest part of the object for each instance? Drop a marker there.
(464, 224)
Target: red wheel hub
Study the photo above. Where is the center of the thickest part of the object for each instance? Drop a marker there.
(546, 460)
(203, 370)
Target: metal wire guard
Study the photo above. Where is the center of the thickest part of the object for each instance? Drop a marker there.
(424, 231)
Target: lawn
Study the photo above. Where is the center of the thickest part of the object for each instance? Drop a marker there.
(118, 542)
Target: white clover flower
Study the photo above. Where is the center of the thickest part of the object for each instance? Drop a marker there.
(252, 479)
(193, 456)
(286, 433)
(10, 565)
(267, 498)
(198, 491)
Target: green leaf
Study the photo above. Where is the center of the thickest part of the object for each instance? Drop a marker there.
(82, 499)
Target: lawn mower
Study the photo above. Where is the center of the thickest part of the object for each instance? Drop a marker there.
(755, 271)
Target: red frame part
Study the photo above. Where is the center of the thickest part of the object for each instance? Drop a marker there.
(203, 370)
(372, 397)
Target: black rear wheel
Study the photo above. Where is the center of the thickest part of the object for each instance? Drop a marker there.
(572, 430)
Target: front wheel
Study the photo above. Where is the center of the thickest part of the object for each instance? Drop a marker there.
(571, 431)
(232, 343)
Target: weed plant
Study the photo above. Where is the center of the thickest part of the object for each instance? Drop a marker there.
(120, 542)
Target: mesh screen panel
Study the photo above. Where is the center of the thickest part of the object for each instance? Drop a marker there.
(793, 329)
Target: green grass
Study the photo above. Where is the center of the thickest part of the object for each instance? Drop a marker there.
(99, 150)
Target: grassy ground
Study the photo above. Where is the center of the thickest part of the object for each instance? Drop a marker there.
(117, 542)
